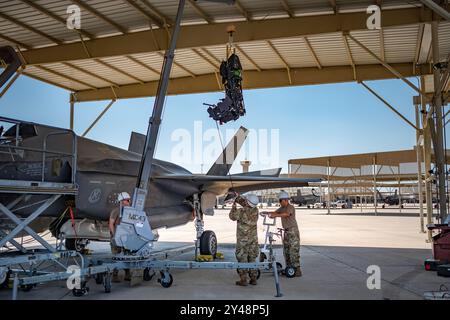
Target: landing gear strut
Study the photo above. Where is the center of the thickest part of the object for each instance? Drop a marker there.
(206, 241)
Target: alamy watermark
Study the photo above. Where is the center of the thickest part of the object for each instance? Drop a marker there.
(74, 280)
(374, 280)
(73, 20)
(199, 146)
(374, 20)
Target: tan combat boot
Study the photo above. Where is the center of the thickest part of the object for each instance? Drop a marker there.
(136, 277)
(298, 272)
(115, 276)
(253, 278)
(243, 281)
(127, 275)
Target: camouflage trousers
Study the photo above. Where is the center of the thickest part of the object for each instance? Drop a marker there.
(247, 252)
(291, 248)
(117, 250)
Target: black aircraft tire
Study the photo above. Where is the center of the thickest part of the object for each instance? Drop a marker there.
(99, 278)
(208, 243)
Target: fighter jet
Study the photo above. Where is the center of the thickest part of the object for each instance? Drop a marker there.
(306, 200)
(100, 172)
(392, 200)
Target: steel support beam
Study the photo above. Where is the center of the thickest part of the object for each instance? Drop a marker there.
(426, 158)
(287, 8)
(389, 106)
(437, 8)
(439, 143)
(253, 79)
(144, 13)
(349, 55)
(200, 12)
(329, 187)
(72, 114)
(419, 168)
(100, 16)
(10, 82)
(55, 17)
(313, 53)
(98, 117)
(387, 66)
(23, 225)
(193, 36)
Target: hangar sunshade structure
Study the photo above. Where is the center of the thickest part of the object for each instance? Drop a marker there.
(119, 48)
(365, 174)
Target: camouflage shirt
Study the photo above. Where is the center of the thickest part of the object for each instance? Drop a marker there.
(247, 219)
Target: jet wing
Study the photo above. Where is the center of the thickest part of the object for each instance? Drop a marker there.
(239, 183)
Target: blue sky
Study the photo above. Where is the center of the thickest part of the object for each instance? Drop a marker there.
(312, 120)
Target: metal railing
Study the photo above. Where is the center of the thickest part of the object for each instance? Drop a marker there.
(73, 155)
(12, 145)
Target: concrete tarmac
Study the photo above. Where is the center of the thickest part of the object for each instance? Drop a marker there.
(336, 252)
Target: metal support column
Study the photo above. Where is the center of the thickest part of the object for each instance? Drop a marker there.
(72, 113)
(439, 143)
(437, 8)
(427, 159)
(419, 168)
(374, 168)
(329, 189)
(399, 193)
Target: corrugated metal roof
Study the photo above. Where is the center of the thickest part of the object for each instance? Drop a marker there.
(298, 52)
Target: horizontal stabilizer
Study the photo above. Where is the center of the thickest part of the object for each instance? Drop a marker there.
(261, 173)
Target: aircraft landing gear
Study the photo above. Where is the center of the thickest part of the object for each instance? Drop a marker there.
(76, 244)
(206, 241)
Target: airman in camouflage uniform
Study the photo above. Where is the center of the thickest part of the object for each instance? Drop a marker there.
(247, 248)
(291, 239)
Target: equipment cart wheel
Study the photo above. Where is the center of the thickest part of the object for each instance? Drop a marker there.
(262, 257)
(107, 282)
(289, 272)
(5, 275)
(82, 291)
(279, 268)
(99, 278)
(166, 279)
(148, 274)
(208, 243)
(27, 287)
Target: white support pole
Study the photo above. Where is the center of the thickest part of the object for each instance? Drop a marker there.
(439, 143)
(374, 167)
(427, 159)
(329, 188)
(419, 169)
(399, 193)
